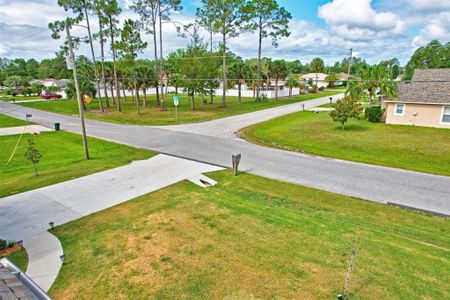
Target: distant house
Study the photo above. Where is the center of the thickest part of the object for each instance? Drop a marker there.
(424, 101)
(60, 83)
(317, 78)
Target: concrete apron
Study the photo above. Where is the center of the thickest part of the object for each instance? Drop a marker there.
(44, 258)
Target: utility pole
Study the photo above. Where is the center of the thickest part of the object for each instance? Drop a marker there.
(350, 60)
(349, 65)
(77, 89)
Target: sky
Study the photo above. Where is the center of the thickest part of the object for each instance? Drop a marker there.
(375, 29)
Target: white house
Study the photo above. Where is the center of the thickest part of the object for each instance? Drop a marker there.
(317, 78)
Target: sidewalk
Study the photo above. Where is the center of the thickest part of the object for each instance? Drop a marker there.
(26, 214)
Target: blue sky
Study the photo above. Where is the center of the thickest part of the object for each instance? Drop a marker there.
(376, 29)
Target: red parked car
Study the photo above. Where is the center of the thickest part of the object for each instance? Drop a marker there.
(51, 96)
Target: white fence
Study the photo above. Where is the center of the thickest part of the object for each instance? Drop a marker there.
(230, 92)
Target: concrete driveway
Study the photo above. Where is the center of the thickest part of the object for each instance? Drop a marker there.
(29, 213)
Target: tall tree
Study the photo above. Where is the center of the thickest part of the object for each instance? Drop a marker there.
(270, 21)
(128, 47)
(165, 9)
(433, 55)
(81, 10)
(227, 18)
(99, 6)
(111, 12)
(278, 70)
(148, 11)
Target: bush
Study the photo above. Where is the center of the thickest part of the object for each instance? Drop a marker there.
(321, 88)
(3, 244)
(374, 113)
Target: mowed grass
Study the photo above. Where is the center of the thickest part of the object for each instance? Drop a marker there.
(6, 121)
(413, 148)
(19, 98)
(19, 258)
(151, 115)
(248, 238)
(62, 159)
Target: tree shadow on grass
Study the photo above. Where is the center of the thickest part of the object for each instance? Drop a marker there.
(352, 127)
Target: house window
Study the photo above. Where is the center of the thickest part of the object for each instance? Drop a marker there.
(399, 109)
(446, 114)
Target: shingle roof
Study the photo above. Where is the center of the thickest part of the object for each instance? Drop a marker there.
(427, 86)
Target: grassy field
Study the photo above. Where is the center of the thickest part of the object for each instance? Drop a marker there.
(62, 159)
(6, 121)
(414, 148)
(19, 98)
(151, 115)
(250, 238)
(17, 257)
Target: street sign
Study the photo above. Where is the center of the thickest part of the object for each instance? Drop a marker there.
(176, 100)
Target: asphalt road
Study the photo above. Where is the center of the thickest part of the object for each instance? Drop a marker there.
(227, 127)
(375, 183)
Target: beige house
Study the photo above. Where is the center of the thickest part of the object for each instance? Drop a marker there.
(424, 101)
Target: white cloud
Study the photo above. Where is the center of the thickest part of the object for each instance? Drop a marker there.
(430, 4)
(31, 13)
(437, 28)
(359, 21)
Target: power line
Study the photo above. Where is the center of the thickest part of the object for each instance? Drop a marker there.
(27, 37)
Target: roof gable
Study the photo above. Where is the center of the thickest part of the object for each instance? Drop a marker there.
(427, 86)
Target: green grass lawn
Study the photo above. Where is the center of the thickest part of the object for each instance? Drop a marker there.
(414, 148)
(19, 98)
(19, 258)
(7, 121)
(151, 115)
(62, 159)
(252, 238)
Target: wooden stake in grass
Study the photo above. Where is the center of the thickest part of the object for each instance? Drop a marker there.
(33, 155)
(351, 262)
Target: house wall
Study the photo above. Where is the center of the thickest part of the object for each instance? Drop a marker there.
(429, 115)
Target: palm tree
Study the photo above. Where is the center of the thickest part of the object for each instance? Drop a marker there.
(239, 71)
(332, 78)
(278, 70)
(291, 82)
(145, 75)
(372, 79)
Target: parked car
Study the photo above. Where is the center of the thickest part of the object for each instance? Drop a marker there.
(51, 96)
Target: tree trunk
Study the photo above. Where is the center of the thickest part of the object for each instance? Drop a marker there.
(343, 125)
(102, 51)
(35, 169)
(144, 90)
(224, 67)
(86, 15)
(239, 93)
(116, 81)
(290, 92)
(258, 75)
(136, 98)
(124, 92)
(155, 50)
(111, 87)
(276, 88)
(192, 102)
(176, 89)
(161, 56)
